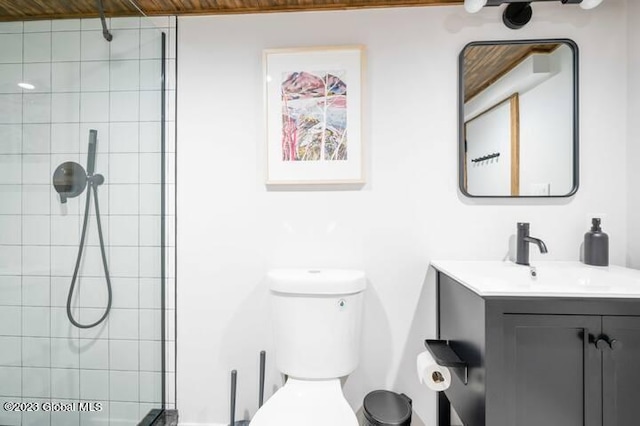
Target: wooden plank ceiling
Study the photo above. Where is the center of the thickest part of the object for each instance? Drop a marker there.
(22, 10)
(484, 65)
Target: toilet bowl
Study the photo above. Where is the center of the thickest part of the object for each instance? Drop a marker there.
(317, 316)
(309, 403)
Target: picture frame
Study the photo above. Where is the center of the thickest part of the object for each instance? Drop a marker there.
(313, 113)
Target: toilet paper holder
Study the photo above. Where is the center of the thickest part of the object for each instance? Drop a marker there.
(445, 356)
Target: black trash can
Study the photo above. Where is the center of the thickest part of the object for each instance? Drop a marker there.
(386, 408)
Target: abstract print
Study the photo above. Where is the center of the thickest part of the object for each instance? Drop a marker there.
(314, 116)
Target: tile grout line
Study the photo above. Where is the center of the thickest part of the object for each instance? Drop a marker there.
(89, 307)
(95, 122)
(110, 231)
(22, 234)
(79, 210)
(85, 339)
(139, 213)
(50, 232)
(69, 245)
(50, 92)
(93, 369)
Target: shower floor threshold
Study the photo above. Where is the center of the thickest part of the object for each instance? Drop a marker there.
(159, 417)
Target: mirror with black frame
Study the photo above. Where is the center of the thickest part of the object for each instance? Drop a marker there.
(518, 118)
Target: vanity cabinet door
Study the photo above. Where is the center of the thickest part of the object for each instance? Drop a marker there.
(553, 374)
(621, 371)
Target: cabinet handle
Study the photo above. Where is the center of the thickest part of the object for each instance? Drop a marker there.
(615, 344)
(602, 344)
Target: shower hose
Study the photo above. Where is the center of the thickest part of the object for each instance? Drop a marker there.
(93, 182)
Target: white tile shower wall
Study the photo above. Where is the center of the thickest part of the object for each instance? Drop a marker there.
(232, 230)
(82, 82)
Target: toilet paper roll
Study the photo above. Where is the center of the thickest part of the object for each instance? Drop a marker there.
(434, 376)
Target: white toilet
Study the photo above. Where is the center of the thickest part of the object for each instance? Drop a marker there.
(317, 317)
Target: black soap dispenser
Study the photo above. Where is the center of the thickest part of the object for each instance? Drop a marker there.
(596, 245)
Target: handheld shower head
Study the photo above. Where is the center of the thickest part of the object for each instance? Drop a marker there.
(70, 179)
(91, 156)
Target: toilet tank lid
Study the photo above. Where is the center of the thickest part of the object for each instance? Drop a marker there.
(316, 281)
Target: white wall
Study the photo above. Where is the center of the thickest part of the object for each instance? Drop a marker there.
(633, 159)
(546, 130)
(231, 230)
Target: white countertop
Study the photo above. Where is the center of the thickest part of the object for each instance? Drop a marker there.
(553, 279)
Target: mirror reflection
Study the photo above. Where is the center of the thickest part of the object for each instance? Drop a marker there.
(518, 119)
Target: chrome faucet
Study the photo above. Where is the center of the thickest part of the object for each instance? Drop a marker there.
(522, 244)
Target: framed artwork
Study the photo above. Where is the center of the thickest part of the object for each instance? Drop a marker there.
(313, 115)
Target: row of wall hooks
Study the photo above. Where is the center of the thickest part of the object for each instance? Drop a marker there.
(486, 157)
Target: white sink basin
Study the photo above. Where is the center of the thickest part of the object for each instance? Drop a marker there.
(551, 279)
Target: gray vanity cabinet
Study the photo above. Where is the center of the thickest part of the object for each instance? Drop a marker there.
(549, 366)
(540, 361)
(621, 371)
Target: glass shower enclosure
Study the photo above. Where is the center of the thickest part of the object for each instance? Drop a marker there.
(85, 221)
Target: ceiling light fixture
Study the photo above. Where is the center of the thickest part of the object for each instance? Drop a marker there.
(517, 15)
(590, 4)
(27, 86)
(473, 6)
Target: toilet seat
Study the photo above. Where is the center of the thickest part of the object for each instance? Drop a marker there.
(306, 402)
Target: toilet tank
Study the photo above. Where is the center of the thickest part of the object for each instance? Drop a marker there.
(317, 321)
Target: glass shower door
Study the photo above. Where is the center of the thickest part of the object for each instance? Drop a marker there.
(91, 114)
